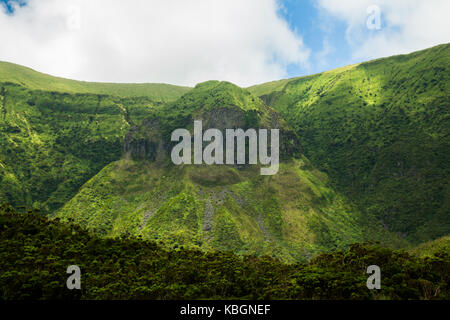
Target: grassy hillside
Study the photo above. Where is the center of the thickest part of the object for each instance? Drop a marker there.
(34, 80)
(35, 253)
(291, 215)
(380, 130)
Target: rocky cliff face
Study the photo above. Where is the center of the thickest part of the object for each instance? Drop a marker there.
(145, 142)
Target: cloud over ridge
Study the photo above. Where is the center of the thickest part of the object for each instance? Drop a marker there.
(173, 41)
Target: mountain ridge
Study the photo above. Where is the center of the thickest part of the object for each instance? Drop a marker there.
(268, 87)
(35, 80)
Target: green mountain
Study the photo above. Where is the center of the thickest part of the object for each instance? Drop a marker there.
(381, 131)
(292, 215)
(364, 156)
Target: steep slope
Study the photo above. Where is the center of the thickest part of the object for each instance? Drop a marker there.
(51, 143)
(31, 79)
(292, 215)
(380, 130)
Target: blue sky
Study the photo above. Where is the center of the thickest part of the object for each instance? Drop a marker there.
(306, 19)
(7, 4)
(186, 42)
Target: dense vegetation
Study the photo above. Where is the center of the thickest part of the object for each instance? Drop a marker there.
(57, 133)
(291, 215)
(51, 143)
(35, 253)
(381, 131)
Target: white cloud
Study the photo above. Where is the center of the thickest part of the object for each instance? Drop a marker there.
(172, 41)
(406, 25)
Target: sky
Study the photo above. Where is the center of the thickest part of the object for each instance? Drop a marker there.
(186, 42)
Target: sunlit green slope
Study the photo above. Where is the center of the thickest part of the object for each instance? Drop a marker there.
(381, 131)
